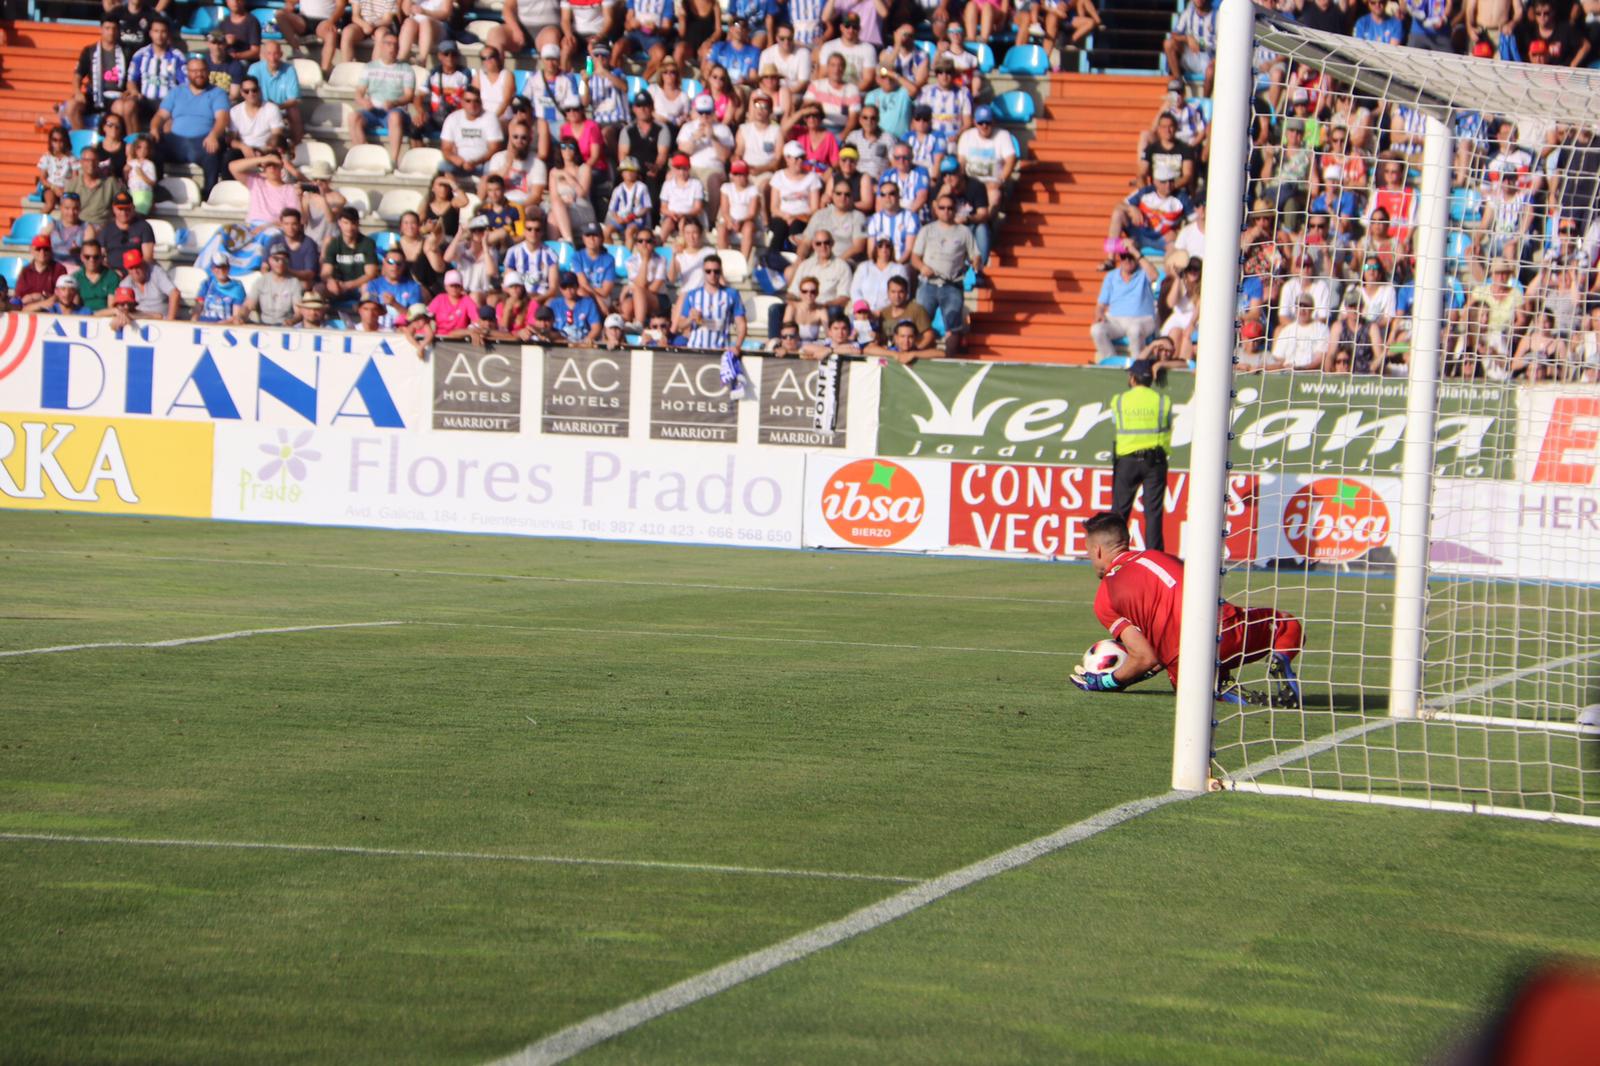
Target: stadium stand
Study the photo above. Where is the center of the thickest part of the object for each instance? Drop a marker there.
(1080, 140)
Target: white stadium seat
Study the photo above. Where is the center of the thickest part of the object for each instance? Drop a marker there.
(397, 202)
(420, 162)
(310, 75)
(187, 280)
(734, 266)
(347, 76)
(365, 160)
(311, 151)
(356, 197)
(229, 196)
(166, 237)
(329, 117)
(181, 192)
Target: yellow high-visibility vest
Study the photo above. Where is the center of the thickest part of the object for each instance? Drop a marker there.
(1143, 419)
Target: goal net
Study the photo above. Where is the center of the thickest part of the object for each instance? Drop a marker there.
(1416, 399)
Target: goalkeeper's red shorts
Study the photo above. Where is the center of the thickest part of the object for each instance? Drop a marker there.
(1251, 633)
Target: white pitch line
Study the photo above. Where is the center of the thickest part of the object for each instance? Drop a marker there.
(565, 1043)
(675, 634)
(208, 638)
(545, 578)
(472, 856)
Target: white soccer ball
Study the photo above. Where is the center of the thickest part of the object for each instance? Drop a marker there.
(1589, 717)
(1105, 655)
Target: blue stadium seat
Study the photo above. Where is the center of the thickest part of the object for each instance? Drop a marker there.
(204, 20)
(937, 325)
(564, 253)
(385, 240)
(82, 139)
(927, 48)
(985, 55)
(1121, 362)
(1015, 107)
(620, 256)
(521, 78)
(26, 228)
(269, 24)
(11, 269)
(1027, 59)
(636, 85)
(1466, 205)
(693, 87)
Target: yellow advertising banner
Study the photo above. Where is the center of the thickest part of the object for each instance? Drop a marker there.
(116, 466)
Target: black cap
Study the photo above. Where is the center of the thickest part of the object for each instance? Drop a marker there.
(1141, 371)
(567, 279)
(922, 113)
(643, 100)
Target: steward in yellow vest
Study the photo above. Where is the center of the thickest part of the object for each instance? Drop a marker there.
(1143, 420)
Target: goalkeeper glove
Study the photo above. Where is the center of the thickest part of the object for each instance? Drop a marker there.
(1089, 681)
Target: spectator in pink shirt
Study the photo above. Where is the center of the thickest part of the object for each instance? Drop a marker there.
(271, 191)
(454, 312)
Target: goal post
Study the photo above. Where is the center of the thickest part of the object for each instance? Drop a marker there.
(1398, 365)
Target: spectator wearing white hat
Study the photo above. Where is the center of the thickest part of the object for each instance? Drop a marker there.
(66, 300)
(708, 144)
(514, 311)
(793, 195)
(612, 333)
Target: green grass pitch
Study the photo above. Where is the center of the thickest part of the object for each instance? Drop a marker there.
(785, 714)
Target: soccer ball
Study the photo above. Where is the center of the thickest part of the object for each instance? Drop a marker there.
(1103, 656)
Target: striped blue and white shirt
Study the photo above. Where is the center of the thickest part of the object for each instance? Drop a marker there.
(157, 74)
(926, 147)
(652, 12)
(630, 205)
(609, 102)
(718, 309)
(911, 184)
(1202, 26)
(551, 96)
(806, 18)
(951, 107)
(532, 263)
(900, 227)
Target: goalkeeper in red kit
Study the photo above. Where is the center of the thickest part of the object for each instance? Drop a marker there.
(1141, 602)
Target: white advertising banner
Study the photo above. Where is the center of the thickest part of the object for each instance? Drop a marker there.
(1499, 529)
(1558, 435)
(886, 504)
(183, 371)
(500, 483)
(1326, 519)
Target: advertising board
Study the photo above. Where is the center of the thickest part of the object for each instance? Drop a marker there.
(112, 466)
(477, 388)
(1039, 511)
(494, 483)
(1558, 442)
(885, 504)
(1526, 532)
(1332, 423)
(183, 371)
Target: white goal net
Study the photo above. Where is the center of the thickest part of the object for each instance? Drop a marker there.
(1416, 378)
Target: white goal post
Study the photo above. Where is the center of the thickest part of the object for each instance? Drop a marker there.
(1382, 255)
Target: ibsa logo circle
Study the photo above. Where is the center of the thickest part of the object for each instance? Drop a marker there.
(1335, 519)
(873, 502)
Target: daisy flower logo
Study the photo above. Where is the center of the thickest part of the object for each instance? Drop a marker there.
(289, 458)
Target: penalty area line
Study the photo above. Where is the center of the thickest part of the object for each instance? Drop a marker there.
(179, 642)
(676, 634)
(574, 1039)
(553, 579)
(466, 856)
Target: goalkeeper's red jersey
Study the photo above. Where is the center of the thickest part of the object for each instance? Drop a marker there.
(1144, 589)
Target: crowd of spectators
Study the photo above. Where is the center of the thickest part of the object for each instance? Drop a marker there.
(848, 166)
(1329, 241)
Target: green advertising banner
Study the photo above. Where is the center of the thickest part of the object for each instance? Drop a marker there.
(1300, 422)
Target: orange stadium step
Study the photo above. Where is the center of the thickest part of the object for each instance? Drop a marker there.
(39, 62)
(1044, 273)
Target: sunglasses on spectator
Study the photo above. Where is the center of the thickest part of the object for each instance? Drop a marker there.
(823, 244)
(789, 336)
(807, 292)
